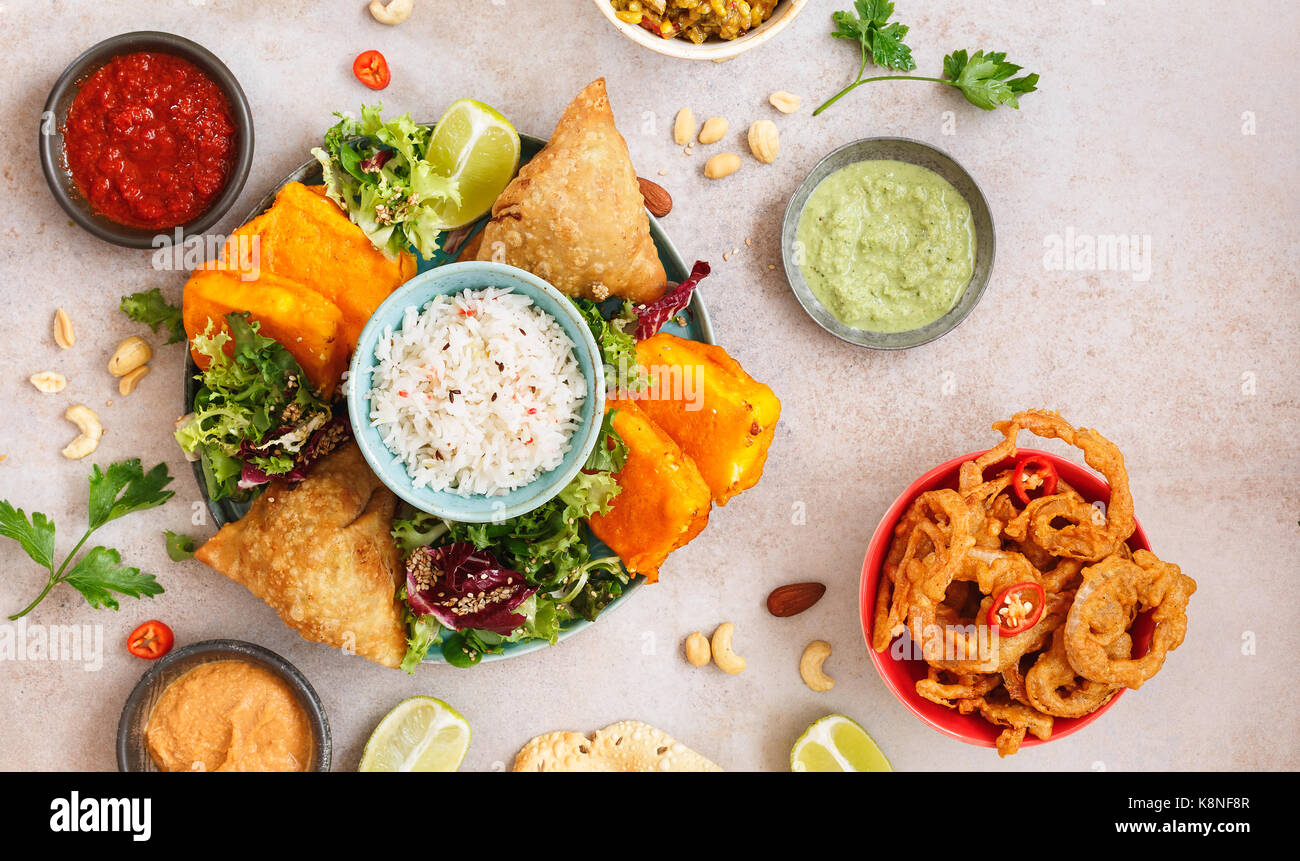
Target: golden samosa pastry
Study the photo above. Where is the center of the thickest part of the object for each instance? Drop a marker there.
(321, 555)
(574, 215)
(664, 502)
(722, 417)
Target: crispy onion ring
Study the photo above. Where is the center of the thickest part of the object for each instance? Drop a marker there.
(1054, 688)
(1113, 592)
(1017, 718)
(930, 543)
(946, 688)
(1082, 537)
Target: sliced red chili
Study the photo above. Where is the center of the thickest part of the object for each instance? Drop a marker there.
(371, 69)
(151, 640)
(1013, 596)
(1042, 468)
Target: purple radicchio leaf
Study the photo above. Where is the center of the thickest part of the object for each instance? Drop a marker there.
(652, 317)
(465, 588)
(326, 439)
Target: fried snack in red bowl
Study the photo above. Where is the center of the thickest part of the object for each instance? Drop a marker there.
(901, 674)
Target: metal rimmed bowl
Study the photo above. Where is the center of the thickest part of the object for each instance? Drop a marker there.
(60, 100)
(712, 49)
(132, 753)
(913, 152)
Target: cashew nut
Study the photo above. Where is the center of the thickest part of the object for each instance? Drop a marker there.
(87, 421)
(391, 13)
(727, 660)
(697, 650)
(810, 666)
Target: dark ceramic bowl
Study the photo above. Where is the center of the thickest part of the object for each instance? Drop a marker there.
(56, 113)
(133, 755)
(913, 152)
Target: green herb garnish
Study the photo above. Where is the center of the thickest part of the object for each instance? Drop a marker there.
(120, 490)
(985, 79)
(150, 308)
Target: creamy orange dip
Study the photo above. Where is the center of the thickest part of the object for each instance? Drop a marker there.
(229, 716)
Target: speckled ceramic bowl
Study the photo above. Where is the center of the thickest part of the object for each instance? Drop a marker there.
(912, 152)
(713, 49)
(418, 292)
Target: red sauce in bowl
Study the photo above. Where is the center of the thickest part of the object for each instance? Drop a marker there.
(150, 140)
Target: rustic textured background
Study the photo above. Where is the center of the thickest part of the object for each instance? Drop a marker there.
(1148, 122)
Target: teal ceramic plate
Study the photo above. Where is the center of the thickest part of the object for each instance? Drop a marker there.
(692, 324)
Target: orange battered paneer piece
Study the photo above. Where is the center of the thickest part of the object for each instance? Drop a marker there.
(721, 416)
(306, 238)
(664, 502)
(307, 324)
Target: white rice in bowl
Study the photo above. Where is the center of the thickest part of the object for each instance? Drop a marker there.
(478, 393)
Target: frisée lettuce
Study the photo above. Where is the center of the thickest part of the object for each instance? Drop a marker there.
(377, 173)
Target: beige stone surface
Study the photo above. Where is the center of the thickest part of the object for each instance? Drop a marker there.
(1140, 127)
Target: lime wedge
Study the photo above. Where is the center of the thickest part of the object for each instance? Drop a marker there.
(421, 734)
(837, 743)
(478, 147)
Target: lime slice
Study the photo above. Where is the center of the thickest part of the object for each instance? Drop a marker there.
(421, 734)
(478, 147)
(837, 743)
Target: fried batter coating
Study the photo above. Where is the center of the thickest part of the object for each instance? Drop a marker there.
(575, 215)
(320, 554)
(664, 502)
(1113, 592)
(720, 415)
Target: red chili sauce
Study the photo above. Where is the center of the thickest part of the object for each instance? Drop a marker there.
(150, 140)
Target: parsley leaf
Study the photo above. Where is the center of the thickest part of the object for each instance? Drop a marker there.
(125, 487)
(179, 547)
(150, 308)
(121, 489)
(35, 536)
(985, 79)
(881, 41)
(99, 574)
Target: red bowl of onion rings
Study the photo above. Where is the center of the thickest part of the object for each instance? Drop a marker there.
(901, 667)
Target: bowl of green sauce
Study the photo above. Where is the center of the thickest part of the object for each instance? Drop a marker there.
(888, 243)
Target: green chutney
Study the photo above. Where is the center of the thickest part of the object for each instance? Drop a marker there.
(886, 246)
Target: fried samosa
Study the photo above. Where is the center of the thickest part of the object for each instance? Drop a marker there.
(320, 554)
(574, 215)
(664, 502)
(721, 416)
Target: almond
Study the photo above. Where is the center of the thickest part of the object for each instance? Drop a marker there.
(793, 598)
(657, 199)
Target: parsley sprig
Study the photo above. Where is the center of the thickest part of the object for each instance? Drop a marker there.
(120, 490)
(985, 79)
(150, 308)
